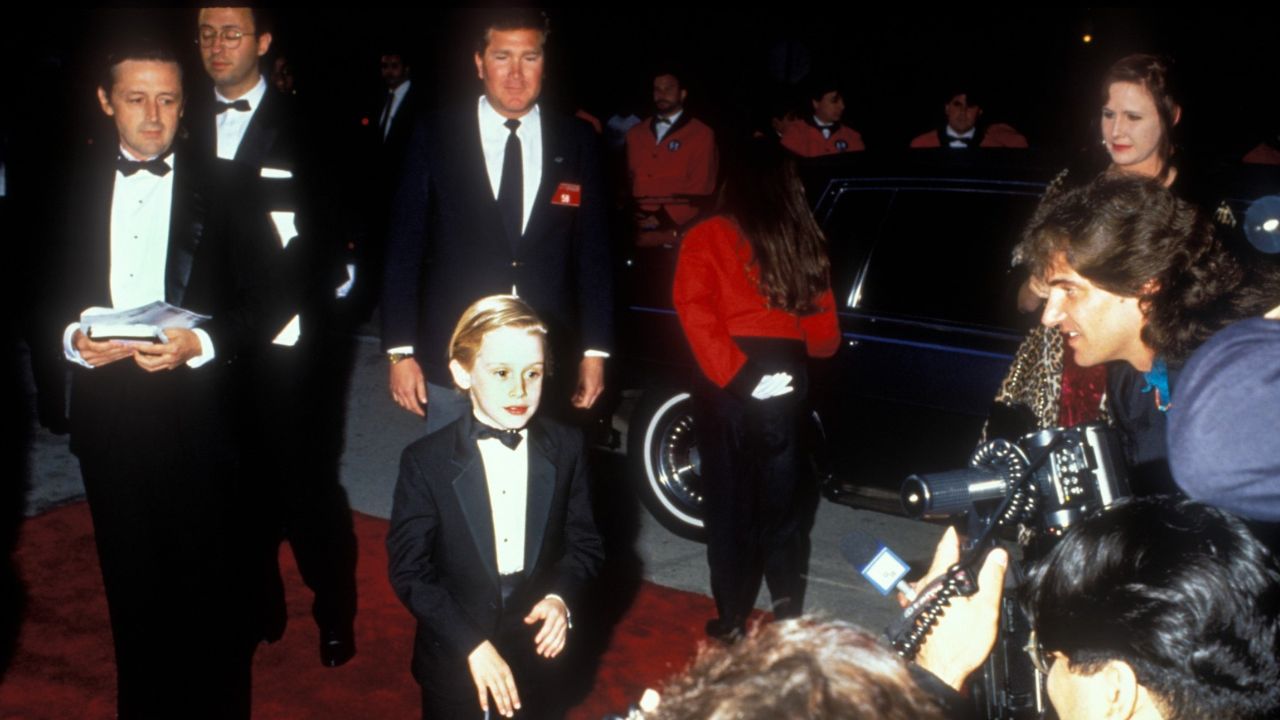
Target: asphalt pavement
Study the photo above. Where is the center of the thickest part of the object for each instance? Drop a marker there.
(377, 430)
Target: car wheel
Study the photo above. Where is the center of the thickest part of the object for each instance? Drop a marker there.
(664, 461)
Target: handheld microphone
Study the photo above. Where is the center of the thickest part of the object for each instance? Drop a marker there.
(877, 563)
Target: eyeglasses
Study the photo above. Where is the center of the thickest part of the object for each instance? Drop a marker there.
(1039, 658)
(230, 37)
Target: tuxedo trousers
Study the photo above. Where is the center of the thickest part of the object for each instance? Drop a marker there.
(170, 544)
(760, 495)
(450, 692)
(295, 425)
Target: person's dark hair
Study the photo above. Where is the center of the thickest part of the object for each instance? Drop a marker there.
(1152, 73)
(676, 72)
(972, 94)
(139, 48)
(765, 197)
(817, 87)
(510, 19)
(1131, 236)
(798, 668)
(1181, 592)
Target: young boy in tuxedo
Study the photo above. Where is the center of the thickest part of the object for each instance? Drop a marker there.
(491, 536)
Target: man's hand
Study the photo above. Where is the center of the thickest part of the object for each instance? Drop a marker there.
(408, 386)
(99, 353)
(183, 345)
(555, 625)
(492, 676)
(590, 382)
(964, 636)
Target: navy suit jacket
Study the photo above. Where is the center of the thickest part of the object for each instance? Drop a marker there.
(440, 545)
(447, 246)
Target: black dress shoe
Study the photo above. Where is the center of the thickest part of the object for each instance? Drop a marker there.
(726, 633)
(337, 646)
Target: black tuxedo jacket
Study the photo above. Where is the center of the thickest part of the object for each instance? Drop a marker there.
(278, 138)
(220, 260)
(441, 547)
(447, 246)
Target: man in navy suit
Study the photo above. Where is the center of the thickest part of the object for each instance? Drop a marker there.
(499, 197)
(149, 420)
(295, 383)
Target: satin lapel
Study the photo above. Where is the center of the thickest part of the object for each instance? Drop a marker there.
(542, 488)
(98, 255)
(259, 135)
(552, 171)
(473, 497)
(188, 213)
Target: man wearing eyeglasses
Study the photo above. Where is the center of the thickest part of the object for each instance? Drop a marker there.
(293, 424)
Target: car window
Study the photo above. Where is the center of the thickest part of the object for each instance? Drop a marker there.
(851, 222)
(944, 254)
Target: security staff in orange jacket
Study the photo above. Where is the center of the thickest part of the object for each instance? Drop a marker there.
(823, 133)
(962, 129)
(672, 164)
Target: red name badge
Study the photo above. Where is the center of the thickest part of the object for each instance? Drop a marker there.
(567, 194)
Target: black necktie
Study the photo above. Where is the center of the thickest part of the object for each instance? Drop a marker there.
(156, 166)
(510, 438)
(511, 187)
(220, 107)
(386, 112)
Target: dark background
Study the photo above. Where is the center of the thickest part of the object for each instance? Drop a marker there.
(1036, 71)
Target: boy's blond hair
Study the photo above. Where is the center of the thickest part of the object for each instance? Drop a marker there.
(486, 315)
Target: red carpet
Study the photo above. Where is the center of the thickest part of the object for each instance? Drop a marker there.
(63, 666)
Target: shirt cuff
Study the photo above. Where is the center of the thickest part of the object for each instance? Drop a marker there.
(401, 350)
(568, 616)
(595, 353)
(206, 349)
(69, 349)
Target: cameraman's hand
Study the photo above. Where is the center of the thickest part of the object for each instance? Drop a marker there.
(966, 632)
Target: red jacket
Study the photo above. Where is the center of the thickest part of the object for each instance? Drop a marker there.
(805, 139)
(684, 163)
(998, 135)
(717, 300)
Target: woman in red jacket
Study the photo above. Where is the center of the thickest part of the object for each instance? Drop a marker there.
(754, 297)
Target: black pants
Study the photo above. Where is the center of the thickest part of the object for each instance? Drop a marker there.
(295, 442)
(760, 495)
(451, 693)
(174, 571)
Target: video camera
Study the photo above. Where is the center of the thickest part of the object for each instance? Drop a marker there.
(1038, 486)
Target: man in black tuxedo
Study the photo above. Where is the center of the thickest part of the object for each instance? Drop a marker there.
(150, 420)
(295, 384)
(501, 197)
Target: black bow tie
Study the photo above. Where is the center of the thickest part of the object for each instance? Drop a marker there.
(510, 438)
(155, 166)
(220, 107)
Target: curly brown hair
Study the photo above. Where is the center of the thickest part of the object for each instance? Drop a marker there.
(799, 668)
(1132, 237)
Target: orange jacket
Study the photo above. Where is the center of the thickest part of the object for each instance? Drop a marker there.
(684, 163)
(805, 139)
(716, 297)
(998, 135)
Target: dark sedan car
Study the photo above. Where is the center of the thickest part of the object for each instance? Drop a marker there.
(919, 248)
